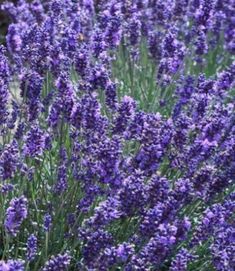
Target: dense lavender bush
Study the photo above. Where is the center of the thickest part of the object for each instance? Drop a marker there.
(117, 135)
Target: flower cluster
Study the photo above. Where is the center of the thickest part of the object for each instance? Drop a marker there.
(15, 214)
(59, 262)
(31, 247)
(117, 135)
(16, 265)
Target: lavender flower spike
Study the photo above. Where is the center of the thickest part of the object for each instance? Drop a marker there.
(58, 263)
(31, 247)
(15, 215)
(12, 265)
(47, 222)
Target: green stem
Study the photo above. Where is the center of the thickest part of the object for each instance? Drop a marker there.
(6, 247)
(46, 245)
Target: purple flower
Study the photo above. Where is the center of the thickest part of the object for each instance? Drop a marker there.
(158, 190)
(31, 247)
(37, 10)
(153, 217)
(125, 113)
(15, 215)
(87, 114)
(12, 265)
(204, 13)
(16, 265)
(134, 29)
(154, 41)
(14, 115)
(132, 194)
(181, 260)
(14, 38)
(155, 137)
(94, 244)
(105, 213)
(99, 77)
(4, 94)
(113, 31)
(20, 12)
(115, 255)
(4, 66)
(111, 96)
(157, 248)
(201, 46)
(31, 85)
(223, 249)
(4, 266)
(47, 222)
(31, 88)
(98, 42)
(9, 160)
(62, 106)
(35, 141)
(173, 52)
(59, 262)
(224, 82)
(82, 62)
(62, 182)
(180, 7)
(212, 218)
(124, 251)
(134, 179)
(6, 188)
(19, 133)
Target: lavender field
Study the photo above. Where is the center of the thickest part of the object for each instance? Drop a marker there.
(117, 135)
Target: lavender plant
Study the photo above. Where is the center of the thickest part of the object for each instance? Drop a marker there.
(117, 135)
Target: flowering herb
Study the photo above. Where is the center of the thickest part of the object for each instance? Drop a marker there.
(117, 135)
